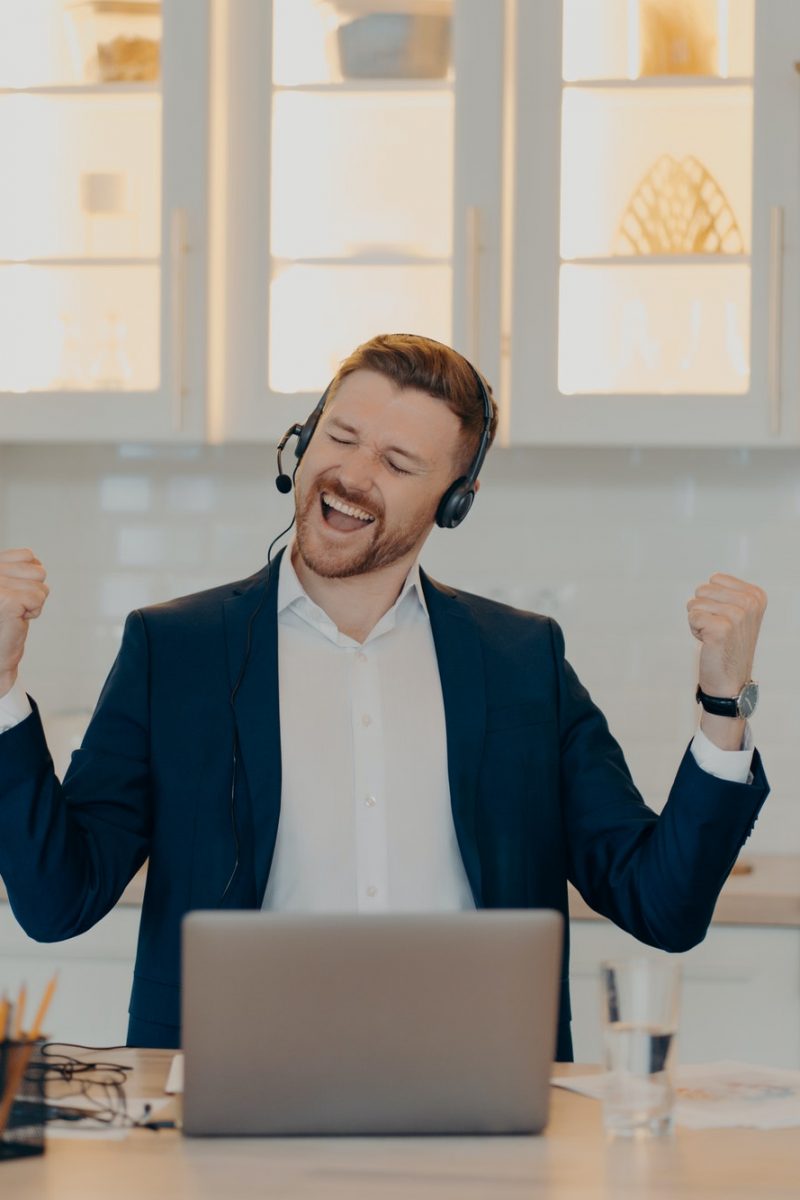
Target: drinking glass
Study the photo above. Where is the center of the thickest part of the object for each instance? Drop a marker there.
(640, 1002)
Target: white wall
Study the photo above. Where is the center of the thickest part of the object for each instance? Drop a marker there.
(609, 542)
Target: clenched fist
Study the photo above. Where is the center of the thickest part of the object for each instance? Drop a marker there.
(725, 615)
(23, 592)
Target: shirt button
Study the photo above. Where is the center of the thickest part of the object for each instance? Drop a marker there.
(366, 719)
(372, 890)
(370, 801)
(361, 656)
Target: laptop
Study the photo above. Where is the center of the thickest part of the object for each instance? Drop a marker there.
(384, 1024)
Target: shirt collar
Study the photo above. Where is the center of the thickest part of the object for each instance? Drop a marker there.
(292, 595)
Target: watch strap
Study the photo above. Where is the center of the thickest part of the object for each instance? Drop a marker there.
(720, 706)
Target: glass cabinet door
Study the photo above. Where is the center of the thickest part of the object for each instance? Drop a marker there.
(101, 203)
(650, 295)
(378, 191)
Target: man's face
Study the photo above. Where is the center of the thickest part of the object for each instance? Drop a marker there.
(369, 484)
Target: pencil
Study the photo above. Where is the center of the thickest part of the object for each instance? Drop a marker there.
(18, 1059)
(41, 1012)
(19, 1013)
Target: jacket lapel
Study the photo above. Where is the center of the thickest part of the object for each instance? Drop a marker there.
(253, 612)
(461, 672)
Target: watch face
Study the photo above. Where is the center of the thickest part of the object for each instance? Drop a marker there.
(748, 699)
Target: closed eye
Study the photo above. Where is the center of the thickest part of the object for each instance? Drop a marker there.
(341, 441)
(397, 470)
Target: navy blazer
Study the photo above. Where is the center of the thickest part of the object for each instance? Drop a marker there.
(540, 790)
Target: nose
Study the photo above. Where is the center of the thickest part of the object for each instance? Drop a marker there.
(356, 471)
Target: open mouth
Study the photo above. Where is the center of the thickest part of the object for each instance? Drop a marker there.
(343, 517)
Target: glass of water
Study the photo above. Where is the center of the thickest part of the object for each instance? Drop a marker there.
(640, 1001)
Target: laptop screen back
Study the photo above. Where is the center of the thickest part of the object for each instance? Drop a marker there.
(369, 1025)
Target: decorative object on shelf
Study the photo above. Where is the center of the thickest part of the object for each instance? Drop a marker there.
(679, 208)
(128, 59)
(395, 45)
(678, 37)
(109, 226)
(70, 368)
(116, 41)
(111, 368)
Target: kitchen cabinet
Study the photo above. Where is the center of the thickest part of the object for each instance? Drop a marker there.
(741, 985)
(740, 996)
(740, 992)
(360, 169)
(103, 219)
(95, 971)
(656, 199)
(597, 201)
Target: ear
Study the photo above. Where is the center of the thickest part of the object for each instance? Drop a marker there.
(476, 486)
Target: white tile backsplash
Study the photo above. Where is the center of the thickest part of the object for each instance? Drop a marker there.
(609, 542)
(125, 493)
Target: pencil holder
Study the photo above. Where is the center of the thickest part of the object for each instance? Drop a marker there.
(22, 1099)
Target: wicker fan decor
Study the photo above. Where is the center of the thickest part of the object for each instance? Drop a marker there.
(678, 208)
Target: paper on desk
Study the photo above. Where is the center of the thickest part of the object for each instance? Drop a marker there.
(174, 1084)
(720, 1095)
(135, 1109)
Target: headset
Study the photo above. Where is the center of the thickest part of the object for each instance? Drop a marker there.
(457, 500)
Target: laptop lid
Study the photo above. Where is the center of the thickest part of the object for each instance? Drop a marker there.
(383, 1024)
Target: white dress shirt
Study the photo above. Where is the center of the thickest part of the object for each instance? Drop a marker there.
(366, 823)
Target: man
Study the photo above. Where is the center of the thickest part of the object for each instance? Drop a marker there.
(426, 749)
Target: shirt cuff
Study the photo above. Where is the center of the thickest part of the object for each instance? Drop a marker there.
(14, 707)
(732, 765)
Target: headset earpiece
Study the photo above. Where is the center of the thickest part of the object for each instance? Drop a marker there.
(307, 432)
(459, 497)
(455, 503)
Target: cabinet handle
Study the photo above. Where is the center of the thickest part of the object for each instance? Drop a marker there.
(473, 235)
(775, 316)
(178, 246)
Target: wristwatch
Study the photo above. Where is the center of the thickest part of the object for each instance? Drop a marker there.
(741, 706)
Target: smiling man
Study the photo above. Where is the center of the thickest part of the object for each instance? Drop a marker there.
(341, 733)
(368, 488)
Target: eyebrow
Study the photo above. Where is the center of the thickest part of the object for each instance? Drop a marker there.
(412, 458)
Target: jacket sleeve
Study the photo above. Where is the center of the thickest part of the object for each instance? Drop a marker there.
(658, 877)
(68, 850)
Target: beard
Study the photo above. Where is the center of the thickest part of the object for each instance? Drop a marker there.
(380, 547)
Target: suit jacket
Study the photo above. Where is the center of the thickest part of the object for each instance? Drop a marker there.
(540, 790)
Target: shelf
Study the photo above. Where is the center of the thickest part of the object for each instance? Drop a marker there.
(365, 260)
(659, 260)
(85, 89)
(78, 394)
(80, 262)
(664, 81)
(370, 85)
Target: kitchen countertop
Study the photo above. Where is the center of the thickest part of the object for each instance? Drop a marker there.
(767, 894)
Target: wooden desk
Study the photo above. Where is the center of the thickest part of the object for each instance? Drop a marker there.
(571, 1161)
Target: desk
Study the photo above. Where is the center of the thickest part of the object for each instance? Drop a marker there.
(571, 1161)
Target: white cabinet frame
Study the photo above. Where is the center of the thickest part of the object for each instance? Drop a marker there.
(176, 409)
(770, 412)
(242, 408)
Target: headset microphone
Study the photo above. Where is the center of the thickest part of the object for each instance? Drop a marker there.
(283, 482)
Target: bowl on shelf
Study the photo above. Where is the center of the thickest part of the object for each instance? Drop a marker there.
(115, 41)
(395, 45)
